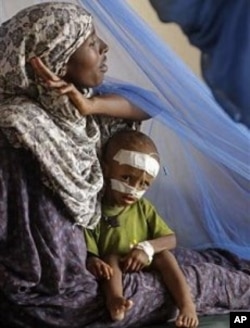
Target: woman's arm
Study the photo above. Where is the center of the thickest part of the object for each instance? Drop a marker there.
(117, 106)
(111, 105)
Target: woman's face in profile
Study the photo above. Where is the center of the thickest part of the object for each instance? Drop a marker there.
(87, 66)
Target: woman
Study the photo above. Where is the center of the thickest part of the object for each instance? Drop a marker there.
(50, 177)
(50, 168)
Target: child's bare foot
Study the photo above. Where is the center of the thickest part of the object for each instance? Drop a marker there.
(187, 317)
(118, 306)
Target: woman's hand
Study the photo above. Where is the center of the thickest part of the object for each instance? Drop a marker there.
(85, 106)
(134, 261)
(99, 268)
(108, 104)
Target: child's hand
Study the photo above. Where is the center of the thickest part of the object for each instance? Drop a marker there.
(54, 82)
(135, 260)
(99, 268)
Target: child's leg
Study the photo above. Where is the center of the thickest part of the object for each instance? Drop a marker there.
(176, 283)
(113, 289)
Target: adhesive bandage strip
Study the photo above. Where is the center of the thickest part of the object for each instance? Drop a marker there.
(126, 189)
(138, 160)
(147, 248)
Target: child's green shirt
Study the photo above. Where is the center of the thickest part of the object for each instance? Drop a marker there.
(120, 228)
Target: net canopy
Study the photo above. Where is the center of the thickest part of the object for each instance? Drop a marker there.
(202, 190)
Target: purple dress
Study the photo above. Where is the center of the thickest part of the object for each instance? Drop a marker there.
(43, 278)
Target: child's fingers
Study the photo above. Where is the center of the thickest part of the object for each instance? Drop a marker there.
(110, 272)
(106, 272)
(125, 264)
(128, 264)
(133, 266)
(97, 271)
(94, 271)
(138, 267)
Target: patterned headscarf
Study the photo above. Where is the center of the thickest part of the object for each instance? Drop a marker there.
(36, 118)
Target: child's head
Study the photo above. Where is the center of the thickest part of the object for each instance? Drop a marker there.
(130, 164)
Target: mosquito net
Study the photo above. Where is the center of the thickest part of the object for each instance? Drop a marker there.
(202, 190)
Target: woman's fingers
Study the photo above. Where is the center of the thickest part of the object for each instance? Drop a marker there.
(70, 89)
(43, 71)
(61, 86)
(52, 81)
(49, 77)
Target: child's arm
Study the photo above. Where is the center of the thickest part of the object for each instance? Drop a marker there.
(98, 267)
(140, 256)
(160, 244)
(160, 235)
(111, 105)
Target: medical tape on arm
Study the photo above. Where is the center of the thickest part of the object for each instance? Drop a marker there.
(147, 248)
(138, 160)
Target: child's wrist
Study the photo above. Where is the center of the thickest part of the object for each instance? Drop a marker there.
(147, 248)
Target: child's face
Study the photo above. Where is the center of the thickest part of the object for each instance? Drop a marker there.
(125, 183)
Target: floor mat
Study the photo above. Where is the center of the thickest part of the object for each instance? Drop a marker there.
(211, 321)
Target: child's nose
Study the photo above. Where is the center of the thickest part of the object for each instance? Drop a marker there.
(135, 184)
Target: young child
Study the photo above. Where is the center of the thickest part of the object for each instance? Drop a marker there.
(131, 235)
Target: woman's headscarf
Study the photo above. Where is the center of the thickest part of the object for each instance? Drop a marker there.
(36, 118)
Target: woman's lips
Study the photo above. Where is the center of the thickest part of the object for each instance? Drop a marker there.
(103, 68)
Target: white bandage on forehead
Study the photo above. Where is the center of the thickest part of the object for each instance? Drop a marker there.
(138, 160)
(126, 189)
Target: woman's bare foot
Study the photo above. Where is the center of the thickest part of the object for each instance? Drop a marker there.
(118, 306)
(187, 317)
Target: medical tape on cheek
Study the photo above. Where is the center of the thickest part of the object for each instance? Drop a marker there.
(138, 160)
(124, 188)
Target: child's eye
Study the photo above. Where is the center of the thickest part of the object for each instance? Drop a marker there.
(126, 178)
(144, 184)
